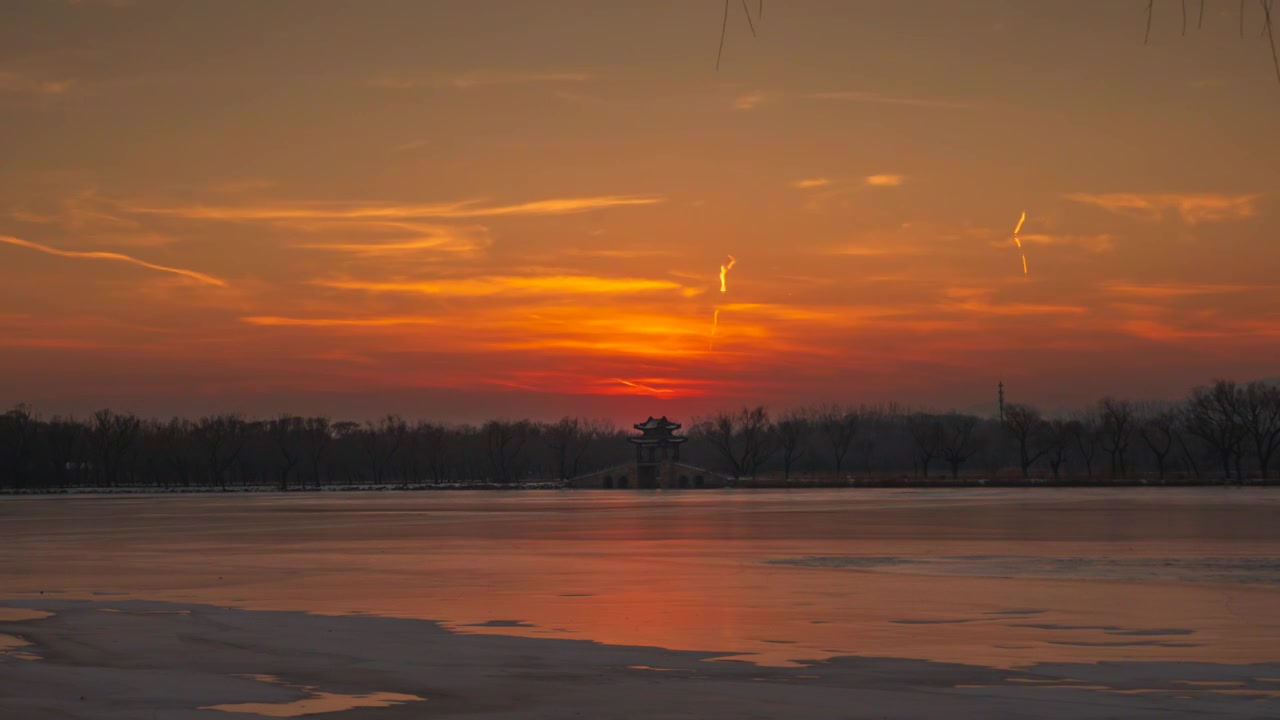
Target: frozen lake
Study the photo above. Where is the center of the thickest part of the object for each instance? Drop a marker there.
(1001, 579)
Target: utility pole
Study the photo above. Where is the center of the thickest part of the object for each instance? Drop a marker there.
(1001, 401)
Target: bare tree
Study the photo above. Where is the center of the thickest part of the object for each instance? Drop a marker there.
(1158, 430)
(958, 441)
(1260, 413)
(1084, 432)
(741, 439)
(223, 438)
(568, 441)
(381, 441)
(17, 439)
(1027, 428)
(287, 434)
(113, 436)
(927, 435)
(1117, 430)
(316, 435)
(1057, 444)
(505, 441)
(1214, 416)
(838, 426)
(791, 430)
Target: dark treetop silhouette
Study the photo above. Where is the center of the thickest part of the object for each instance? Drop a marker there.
(1224, 432)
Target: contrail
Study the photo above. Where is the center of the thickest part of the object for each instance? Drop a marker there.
(724, 270)
(1018, 241)
(646, 388)
(200, 277)
(715, 319)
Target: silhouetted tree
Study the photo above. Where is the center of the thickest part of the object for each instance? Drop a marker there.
(223, 438)
(288, 436)
(958, 441)
(927, 434)
(1214, 416)
(1117, 429)
(113, 436)
(741, 439)
(838, 426)
(1158, 430)
(791, 430)
(1058, 437)
(1085, 434)
(1028, 429)
(1260, 414)
(505, 440)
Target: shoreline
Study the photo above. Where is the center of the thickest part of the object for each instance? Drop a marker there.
(874, 484)
(132, 658)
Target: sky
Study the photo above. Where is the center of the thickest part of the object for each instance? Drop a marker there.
(465, 209)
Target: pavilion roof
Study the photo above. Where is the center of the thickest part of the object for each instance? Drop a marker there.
(661, 423)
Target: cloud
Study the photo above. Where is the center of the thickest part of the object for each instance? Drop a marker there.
(875, 250)
(390, 321)
(422, 236)
(878, 99)
(411, 145)
(480, 78)
(528, 284)
(349, 211)
(22, 83)
(750, 101)
(483, 78)
(1154, 330)
(808, 183)
(200, 277)
(1191, 208)
(884, 180)
(1099, 243)
(1170, 290)
(243, 185)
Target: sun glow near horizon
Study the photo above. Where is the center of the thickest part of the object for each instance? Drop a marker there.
(539, 230)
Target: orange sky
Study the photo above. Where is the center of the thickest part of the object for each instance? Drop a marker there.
(465, 209)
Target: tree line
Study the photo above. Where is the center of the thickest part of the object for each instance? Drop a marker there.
(1222, 432)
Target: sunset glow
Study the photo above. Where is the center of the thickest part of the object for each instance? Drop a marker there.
(521, 213)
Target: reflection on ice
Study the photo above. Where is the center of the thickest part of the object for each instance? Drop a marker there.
(315, 703)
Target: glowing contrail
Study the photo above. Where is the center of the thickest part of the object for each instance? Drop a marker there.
(201, 277)
(715, 319)
(645, 388)
(1018, 241)
(724, 270)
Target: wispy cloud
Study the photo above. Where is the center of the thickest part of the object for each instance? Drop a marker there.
(749, 101)
(411, 145)
(859, 96)
(200, 277)
(864, 250)
(884, 180)
(418, 236)
(348, 211)
(25, 83)
(243, 185)
(480, 78)
(1155, 330)
(980, 307)
(1175, 290)
(1191, 208)
(808, 183)
(527, 284)
(388, 321)
(1099, 243)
